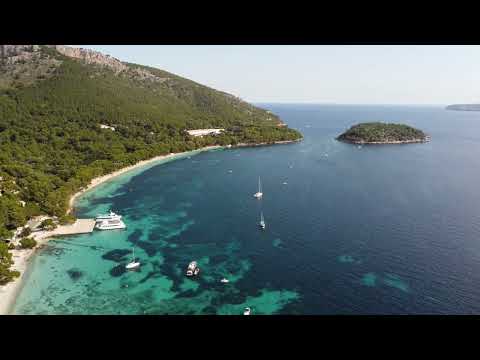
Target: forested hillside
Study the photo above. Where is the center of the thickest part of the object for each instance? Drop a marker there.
(51, 108)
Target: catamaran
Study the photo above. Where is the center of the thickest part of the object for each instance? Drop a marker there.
(110, 224)
(259, 193)
(262, 221)
(132, 264)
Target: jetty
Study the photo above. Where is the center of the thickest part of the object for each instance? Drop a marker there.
(81, 226)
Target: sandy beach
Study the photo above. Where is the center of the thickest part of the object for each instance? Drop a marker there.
(22, 258)
(266, 143)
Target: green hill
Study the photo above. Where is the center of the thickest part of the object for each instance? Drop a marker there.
(51, 108)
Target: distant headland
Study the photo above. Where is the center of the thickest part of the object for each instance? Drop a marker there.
(464, 107)
(382, 133)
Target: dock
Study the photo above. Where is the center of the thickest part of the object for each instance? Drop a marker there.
(81, 226)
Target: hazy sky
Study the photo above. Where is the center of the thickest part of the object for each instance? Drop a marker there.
(398, 74)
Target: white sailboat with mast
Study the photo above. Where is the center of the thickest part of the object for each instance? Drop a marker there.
(133, 264)
(262, 221)
(259, 193)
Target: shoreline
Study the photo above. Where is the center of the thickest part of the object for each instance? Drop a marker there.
(104, 178)
(361, 142)
(22, 258)
(266, 143)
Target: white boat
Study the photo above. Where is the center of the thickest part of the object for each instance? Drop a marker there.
(110, 224)
(247, 311)
(262, 221)
(132, 264)
(259, 193)
(225, 281)
(192, 269)
(110, 216)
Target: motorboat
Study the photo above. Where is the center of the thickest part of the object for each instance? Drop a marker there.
(192, 269)
(247, 311)
(225, 281)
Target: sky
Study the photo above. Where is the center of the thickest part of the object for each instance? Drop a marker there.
(343, 74)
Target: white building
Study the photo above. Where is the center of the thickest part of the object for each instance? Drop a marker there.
(203, 132)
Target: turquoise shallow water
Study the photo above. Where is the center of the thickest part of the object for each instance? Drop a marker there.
(85, 274)
(389, 229)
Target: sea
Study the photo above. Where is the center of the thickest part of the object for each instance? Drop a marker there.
(373, 229)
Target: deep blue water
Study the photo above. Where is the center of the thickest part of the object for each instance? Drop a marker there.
(382, 229)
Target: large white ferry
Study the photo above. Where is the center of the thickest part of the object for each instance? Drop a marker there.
(110, 216)
(110, 224)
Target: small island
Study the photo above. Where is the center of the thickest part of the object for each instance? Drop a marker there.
(382, 133)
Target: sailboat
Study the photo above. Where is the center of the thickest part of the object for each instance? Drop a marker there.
(132, 264)
(262, 221)
(259, 193)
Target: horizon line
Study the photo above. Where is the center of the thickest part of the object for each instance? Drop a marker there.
(338, 103)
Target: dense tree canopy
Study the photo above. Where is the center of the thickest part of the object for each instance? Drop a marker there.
(6, 275)
(377, 132)
(51, 143)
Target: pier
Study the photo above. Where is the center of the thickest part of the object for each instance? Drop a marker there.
(81, 226)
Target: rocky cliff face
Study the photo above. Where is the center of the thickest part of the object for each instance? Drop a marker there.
(14, 50)
(91, 57)
(94, 57)
(23, 65)
(15, 54)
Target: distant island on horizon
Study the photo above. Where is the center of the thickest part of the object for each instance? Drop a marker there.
(382, 133)
(464, 107)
